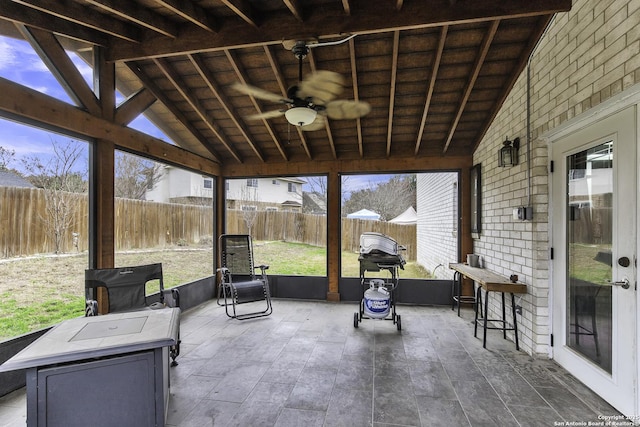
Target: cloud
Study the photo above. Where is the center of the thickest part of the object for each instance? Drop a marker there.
(8, 55)
(24, 139)
(18, 56)
(84, 68)
(21, 64)
(351, 183)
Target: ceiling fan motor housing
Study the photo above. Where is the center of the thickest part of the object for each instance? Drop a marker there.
(300, 50)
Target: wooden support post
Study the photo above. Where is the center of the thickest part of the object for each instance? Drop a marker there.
(220, 210)
(466, 239)
(333, 235)
(102, 179)
(102, 211)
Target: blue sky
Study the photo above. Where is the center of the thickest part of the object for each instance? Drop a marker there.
(21, 64)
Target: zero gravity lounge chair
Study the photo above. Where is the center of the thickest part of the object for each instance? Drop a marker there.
(239, 282)
(126, 290)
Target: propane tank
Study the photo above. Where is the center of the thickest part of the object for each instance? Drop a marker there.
(376, 300)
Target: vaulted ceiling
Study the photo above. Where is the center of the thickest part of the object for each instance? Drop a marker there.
(435, 72)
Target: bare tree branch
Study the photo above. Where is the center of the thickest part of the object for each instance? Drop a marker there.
(249, 212)
(388, 199)
(6, 158)
(135, 175)
(59, 176)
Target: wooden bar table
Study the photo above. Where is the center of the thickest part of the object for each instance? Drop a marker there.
(491, 282)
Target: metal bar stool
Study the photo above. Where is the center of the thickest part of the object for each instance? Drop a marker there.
(485, 319)
(457, 298)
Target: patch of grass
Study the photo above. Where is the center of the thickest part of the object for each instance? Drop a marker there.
(178, 266)
(584, 265)
(288, 259)
(291, 258)
(41, 291)
(351, 268)
(17, 319)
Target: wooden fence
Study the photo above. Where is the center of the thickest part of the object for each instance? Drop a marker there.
(142, 224)
(592, 225)
(138, 224)
(312, 229)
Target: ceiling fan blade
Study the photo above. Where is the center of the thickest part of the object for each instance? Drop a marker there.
(266, 115)
(317, 124)
(321, 87)
(260, 93)
(347, 109)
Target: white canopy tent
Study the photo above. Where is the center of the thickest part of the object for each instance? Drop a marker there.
(407, 217)
(364, 214)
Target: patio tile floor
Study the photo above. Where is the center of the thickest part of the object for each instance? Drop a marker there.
(306, 365)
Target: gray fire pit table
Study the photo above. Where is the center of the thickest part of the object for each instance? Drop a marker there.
(110, 370)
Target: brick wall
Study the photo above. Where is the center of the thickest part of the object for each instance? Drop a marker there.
(587, 56)
(436, 230)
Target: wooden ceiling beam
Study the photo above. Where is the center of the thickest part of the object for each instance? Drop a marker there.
(392, 90)
(356, 96)
(134, 105)
(181, 87)
(33, 18)
(145, 18)
(376, 16)
(207, 76)
(327, 126)
(193, 13)
(244, 10)
(242, 76)
(346, 5)
(160, 95)
(361, 166)
(30, 106)
(432, 83)
(283, 89)
(295, 9)
(56, 59)
(104, 83)
(482, 55)
(78, 14)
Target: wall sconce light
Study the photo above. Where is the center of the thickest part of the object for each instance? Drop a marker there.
(508, 154)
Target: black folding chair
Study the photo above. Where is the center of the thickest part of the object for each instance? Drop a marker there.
(239, 282)
(126, 290)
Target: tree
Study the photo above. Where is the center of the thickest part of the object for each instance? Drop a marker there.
(58, 177)
(388, 199)
(135, 175)
(249, 212)
(6, 158)
(318, 185)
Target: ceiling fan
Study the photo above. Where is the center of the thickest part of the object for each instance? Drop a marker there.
(311, 100)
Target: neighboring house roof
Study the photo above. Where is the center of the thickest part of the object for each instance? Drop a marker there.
(10, 179)
(407, 217)
(292, 179)
(364, 214)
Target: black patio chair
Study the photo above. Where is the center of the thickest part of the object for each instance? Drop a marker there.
(239, 282)
(126, 290)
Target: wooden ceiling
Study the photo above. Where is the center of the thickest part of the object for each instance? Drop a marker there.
(435, 72)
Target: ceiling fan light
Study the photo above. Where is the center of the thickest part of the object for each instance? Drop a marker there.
(300, 116)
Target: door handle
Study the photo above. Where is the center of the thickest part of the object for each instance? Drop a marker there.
(624, 284)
